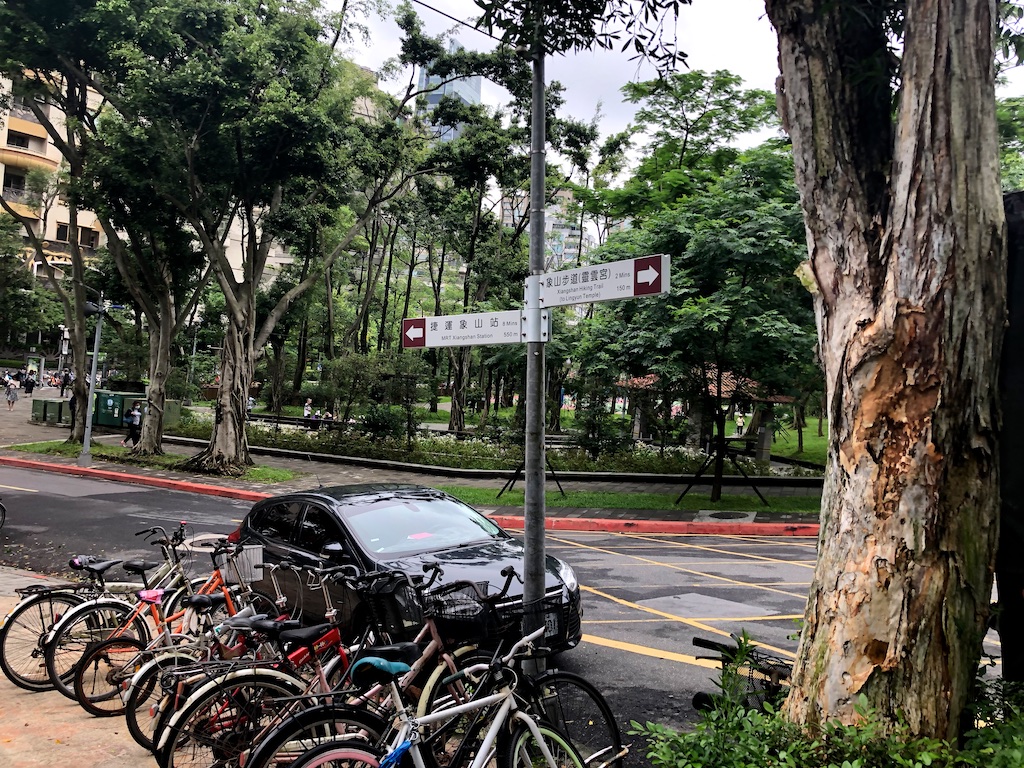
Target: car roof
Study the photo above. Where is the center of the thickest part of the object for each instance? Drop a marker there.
(357, 493)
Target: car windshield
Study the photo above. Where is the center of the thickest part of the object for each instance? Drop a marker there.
(403, 526)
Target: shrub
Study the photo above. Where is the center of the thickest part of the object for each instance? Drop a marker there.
(383, 421)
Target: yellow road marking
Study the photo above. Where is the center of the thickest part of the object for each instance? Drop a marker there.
(690, 571)
(695, 623)
(18, 488)
(643, 650)
(622, 621)
(718, 551)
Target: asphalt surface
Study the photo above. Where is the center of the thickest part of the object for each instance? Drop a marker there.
(644, 598)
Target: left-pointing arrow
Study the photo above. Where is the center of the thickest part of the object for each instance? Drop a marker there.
(414, 332)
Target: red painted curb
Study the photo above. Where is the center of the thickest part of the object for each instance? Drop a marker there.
(664, 526)
(505, 521)
(130, 479)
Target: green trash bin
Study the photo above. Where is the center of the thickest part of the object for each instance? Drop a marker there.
(37, 410)
(172, 413)
(109, 408)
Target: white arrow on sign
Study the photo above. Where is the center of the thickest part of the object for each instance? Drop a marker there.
(647, 275)
(414, 332)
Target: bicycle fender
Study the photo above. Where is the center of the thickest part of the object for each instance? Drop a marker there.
(240, 676)
(78, 610)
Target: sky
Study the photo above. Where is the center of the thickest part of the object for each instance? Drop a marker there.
(715, 34)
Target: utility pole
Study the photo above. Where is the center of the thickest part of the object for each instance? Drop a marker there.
(85, 457)
(533, 512)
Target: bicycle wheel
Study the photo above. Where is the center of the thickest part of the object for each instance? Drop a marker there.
(579, 711)
(73, 636)
(457, 739)
(524, 749)
(140, 708)
(21, 637)
(312, 727)
(338, 756)
(104, 668)
(214, 728)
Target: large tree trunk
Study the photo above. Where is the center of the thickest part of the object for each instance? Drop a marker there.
(160, 339)
(907, 266)
(228, 451)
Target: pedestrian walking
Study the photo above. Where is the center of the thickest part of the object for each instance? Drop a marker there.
(65, 381)
(30, 384)
(134, 420)
(12, 394)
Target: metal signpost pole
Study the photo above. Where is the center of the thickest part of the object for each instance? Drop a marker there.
(533, 589)
(85, 457)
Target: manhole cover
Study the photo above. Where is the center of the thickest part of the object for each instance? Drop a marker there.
(715, 515)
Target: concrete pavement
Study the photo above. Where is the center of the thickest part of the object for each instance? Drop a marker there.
(43, 730)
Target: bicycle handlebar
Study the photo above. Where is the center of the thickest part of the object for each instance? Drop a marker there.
(524, 644)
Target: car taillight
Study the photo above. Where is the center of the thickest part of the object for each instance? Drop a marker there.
(235, 536)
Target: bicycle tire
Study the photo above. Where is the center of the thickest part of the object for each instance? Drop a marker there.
(457, 739)
(3, 515)
(214, 727)
(523, 749)
(579, 711)
(22, 656)
(339, 756)
(77, 632)
(101, 672)
(143, 695)
(308, 728)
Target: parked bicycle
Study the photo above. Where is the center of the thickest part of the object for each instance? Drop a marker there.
(750, 676)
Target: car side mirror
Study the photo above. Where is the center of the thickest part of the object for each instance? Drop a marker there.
(335, 550)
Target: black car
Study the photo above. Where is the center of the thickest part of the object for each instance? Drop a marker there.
(400, 527)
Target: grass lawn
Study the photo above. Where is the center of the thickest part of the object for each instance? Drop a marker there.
(116, 453)
(815, 448)
(484, 497)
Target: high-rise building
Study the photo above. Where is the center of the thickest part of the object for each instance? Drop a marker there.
(565, 243)
(466, 89)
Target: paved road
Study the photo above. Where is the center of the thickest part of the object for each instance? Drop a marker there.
(645, 596)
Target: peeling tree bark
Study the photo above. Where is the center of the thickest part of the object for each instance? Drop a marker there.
(906, 260)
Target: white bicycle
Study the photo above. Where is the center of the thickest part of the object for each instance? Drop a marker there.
(491, 725)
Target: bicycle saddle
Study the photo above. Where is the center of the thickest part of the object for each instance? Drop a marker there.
(374, 669)
(140, 566)
(273, 627)
(306, 636)
(407, 653)
(204, 603)
(91, 564)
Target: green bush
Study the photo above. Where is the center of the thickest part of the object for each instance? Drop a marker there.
(383, 421)
(387, 441)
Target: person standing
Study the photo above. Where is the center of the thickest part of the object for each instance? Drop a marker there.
(134, 420)
(12, 394)
(30, 383)
(65, 381)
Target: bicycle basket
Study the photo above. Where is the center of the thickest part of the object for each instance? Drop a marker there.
(460, 614)
(767, 679)
(394, 608)
(244, 565)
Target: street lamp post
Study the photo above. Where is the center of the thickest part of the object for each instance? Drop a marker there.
(85, 457)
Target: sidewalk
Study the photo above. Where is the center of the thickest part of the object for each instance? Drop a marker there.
(16, 428)
(42, 730)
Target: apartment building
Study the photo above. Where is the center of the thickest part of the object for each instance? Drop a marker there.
(565, 242)
(25, 146)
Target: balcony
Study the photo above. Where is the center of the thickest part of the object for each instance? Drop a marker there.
(24, 203)
(21, 157)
